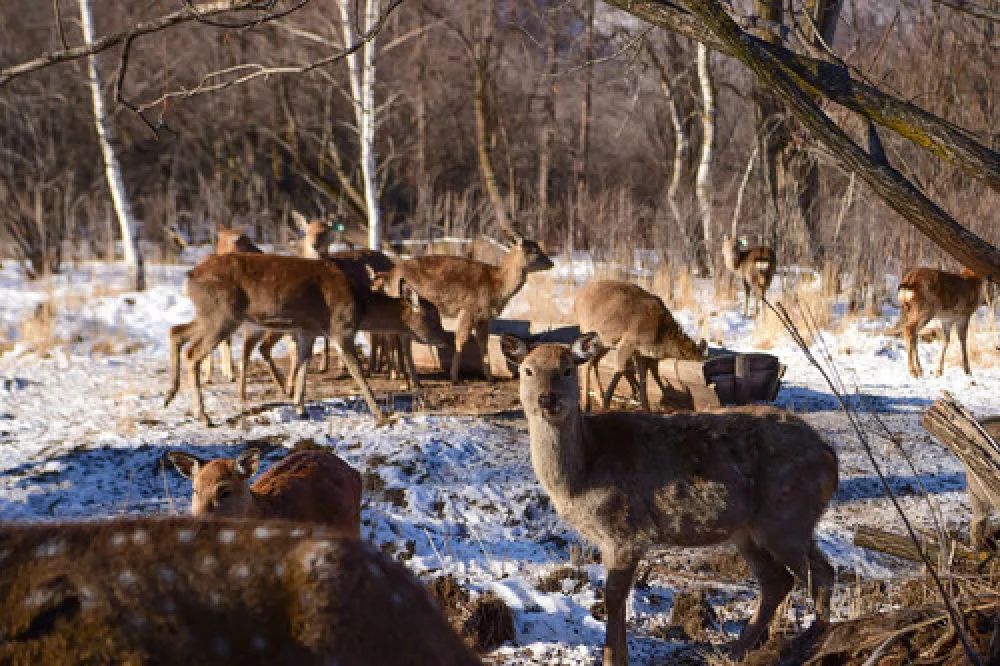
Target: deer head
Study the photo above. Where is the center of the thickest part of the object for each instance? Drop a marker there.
(316, 235)
(234, 239)
(220, 486)
(550, 385)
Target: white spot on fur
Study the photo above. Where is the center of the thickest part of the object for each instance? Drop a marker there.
(208, 562)
(140, 537)
(297, 532)
(185, 535)
(51, 548)
(226, 536)
(118, 539)
(279, 569)
(240, 571)
(126, 577)
(262, 532)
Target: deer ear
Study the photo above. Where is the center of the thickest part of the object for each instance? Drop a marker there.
(300, 220)
(702, 346)
(513, 348)
(585, 347)
(248, 463)
(409, 294)
(185, 463)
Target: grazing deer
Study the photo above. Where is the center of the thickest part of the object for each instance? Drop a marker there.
(926, 294)
(290, 294)
(754, 265)
(639, 326)
(470, 290)
(757, 477)
(227, 240)
(187, 591)
(305, 486)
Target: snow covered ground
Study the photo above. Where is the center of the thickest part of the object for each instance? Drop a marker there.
(83, 432)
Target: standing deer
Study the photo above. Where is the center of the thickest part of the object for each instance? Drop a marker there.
(470, 290)
(305, 486)
(227, 240)
(757, 477)
(639, 326)
(290, 294)
(189, 591)
(926, 294)
(755, 266)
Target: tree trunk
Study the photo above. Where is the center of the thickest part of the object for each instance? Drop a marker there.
(582, 157)
(112, 168)
(548, 126)
(703, 180)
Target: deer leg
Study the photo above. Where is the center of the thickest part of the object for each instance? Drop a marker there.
(226, 360)
(946, 338)
(266, 348)
(324, 359)
(179, 335)
(593, 367)
(345, 347)
(642, 365)
(207, 368)
(746, 298)
(250, 340)
(775, 584)
(483, 340)
(201, 347)
(406, 351)
(962, 329)
(620, 570)
(303, 351)
(622, 357)
(463, 329)
(910, 334)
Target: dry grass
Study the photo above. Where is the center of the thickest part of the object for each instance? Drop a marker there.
(37, 330)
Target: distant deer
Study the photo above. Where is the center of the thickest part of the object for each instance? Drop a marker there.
(305, 486)
(757, 477)
(290, 294)
(227, 240)
(755, 266)
(926, 294)
(189, 591)
(470, 290)
(641, 328)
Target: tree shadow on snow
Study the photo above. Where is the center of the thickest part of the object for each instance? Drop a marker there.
(870, 487)
(803, 399)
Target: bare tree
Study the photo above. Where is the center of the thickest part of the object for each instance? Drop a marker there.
(703, 179)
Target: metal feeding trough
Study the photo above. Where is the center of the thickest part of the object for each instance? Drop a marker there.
(726, 378)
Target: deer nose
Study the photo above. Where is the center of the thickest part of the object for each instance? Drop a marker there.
(548, 401)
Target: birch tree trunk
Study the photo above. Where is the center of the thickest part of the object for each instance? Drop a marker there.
(112, 169)
(582, 157)
(362, 79)
(703, 179)
(547, 132)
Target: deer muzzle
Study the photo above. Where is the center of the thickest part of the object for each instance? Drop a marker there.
(549, 403)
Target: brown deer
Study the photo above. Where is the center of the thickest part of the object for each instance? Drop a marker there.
(757, 477)
(470, 290)
(188, 591)
(640, 327)
(227, 240)
(296, 295)
(305, 486)
(755, 266)
(926, 294)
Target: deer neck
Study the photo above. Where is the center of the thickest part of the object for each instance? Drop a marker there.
(510, 276)
(557, 455)
(381, 313)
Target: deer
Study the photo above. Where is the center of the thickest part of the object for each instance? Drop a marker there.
(470, 290)
(757, 477)
(305, 486)
(926, 294)
(755, 266)
(639, 325)
(227, 240)
(192, 591)
(290, 294)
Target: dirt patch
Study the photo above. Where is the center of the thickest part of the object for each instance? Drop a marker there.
(484, 622)
(691, 616)
(555, 581)
(437, 394)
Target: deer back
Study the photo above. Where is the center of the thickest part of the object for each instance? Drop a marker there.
(183, 590)
(932, 291)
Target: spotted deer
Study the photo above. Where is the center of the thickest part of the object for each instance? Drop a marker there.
(926, 294)
(755, 267)
(757, 477)
(470, 290)
(641, 329)
(227, 240)
(189, 591)
(305, 486)
(293, 295)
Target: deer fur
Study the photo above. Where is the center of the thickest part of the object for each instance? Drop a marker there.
(641, 328)
(755, 267)
(470, 290)
(926, 294)
(187, 591)
(290, 294)
(304, 486)
(756, 477)
(227, 240)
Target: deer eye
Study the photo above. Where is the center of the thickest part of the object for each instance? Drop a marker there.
(527, 371)
(223, 493)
